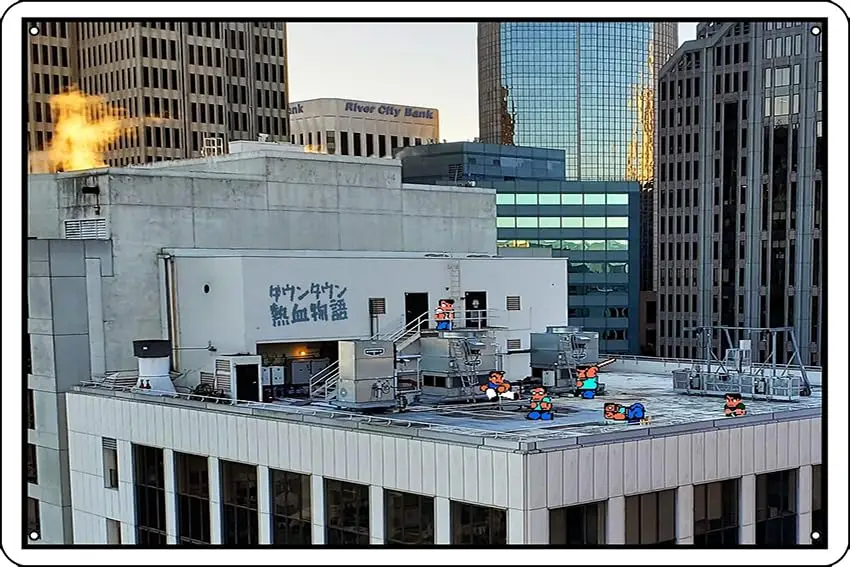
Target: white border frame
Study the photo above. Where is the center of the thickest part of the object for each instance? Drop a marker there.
(12, 261)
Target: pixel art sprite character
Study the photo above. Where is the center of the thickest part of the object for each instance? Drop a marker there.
(445, 314)
(541, 405)
(497, 386)
(586, 384)
(635, 413)
(734, 406)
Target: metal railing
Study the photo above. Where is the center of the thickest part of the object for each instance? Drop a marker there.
(685, 361)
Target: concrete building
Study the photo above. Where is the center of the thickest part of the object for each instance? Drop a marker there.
(740, 190)
(587, 88)
(107, 228)
(596, 225)
(284, 474)
(179, 82)
(358, 128)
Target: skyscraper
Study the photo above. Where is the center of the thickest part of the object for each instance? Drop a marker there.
(739, 191)
(583, 87)
(179, 82)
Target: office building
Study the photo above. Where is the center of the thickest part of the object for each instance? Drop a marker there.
(740, 187)
(596, 225)
(587, 88)
(279, 473)
(358, 128)
(178, 83)
(105, 229)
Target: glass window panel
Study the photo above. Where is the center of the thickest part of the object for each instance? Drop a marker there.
(781, 105)
(506, 222)
(570, 199)
(571, 222)
(594, 244)
(617, 199)
(572, 244)
(594, 199)
(505, 199)
(526, 199)
(618, 222)
(549, 199)
(526, 222)
(550, 222)
(618, 245)
(594, 222)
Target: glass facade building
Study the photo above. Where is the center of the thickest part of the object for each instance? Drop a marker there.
(587, 88)
(595, 224)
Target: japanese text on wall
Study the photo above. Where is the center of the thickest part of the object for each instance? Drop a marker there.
(313, 303)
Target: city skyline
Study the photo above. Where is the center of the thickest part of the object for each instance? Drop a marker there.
(377, 67)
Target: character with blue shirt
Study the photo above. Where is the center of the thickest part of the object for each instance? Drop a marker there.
(586, 384)
(445, 314)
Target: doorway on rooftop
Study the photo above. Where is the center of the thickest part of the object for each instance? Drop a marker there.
(415, 305)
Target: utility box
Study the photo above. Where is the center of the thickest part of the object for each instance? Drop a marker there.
(366, 374)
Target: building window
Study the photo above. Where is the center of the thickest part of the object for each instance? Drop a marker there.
(370, 145)
(776, 508)
(240, 521)
(358, 151)
(30, 409)
(346, 513)
(110, 462)
(578, 525)
(343, 143)
(817, 499)
(113, 532)
(150, 495)
(716, 513)
(33, 518)
(290, 508)
(193, 499)
(32, 464)
(409, 518)
(651, 518)
(478, 525)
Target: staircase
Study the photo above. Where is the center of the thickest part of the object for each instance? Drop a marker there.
(323, 385)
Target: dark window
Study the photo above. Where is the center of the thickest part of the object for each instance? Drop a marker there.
(370, 145)
(405, 141)
(478, 525)
(30, 409)
(716, 513)
(343, 143)
(32, 464)
(776, 508)
(240, 521)
(393, 143)
(290, 508)
(817, 500)
(33, 516)
(346, 513)
(409, 518)
(150, 496)
(651, 518)
(382, 145)
(578, 525)
(193, 499)
(358, 150)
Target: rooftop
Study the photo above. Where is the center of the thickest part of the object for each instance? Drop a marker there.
(577, 421)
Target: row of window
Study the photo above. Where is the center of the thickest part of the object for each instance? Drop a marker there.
(577, 245)
(731, 82)
(675, 89)
(598, 268)
(52, 29)
(783, 46)
(562, 199)
(562, 222)
(679, 118)
(409, 518)
(50, 55)
(49, 83)
(598, 312)
(360, 144)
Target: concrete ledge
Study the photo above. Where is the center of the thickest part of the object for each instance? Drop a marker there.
(663, 430)
(792, 415)
(613, 437)
(453, 438)
(743, 421)
(387, 429)
(502, 443)
(556, 444)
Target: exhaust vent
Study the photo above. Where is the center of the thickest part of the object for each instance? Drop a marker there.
(86, 229)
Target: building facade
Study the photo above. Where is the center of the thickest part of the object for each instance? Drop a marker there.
(95, 278)
(222, 474)
(359, 128)
(596, 225)
(587, 88)
(740, 190)
(177, 83)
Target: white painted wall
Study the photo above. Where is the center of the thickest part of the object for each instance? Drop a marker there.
(235, 314)
(447, 471)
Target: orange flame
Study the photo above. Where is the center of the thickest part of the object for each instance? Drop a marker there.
(314, 149)
(85, 127)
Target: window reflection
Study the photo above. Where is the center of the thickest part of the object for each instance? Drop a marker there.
(612, 245)
(564, 222)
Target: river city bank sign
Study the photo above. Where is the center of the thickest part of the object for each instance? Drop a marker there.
(384, 110)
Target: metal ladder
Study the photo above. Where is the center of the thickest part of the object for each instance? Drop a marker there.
(454, 280)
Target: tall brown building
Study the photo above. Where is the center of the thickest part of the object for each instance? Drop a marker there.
(180, 82)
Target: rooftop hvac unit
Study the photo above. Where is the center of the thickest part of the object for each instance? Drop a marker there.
(240, 376)
(154, 356)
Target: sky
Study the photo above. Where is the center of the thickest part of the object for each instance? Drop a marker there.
(416, 64)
